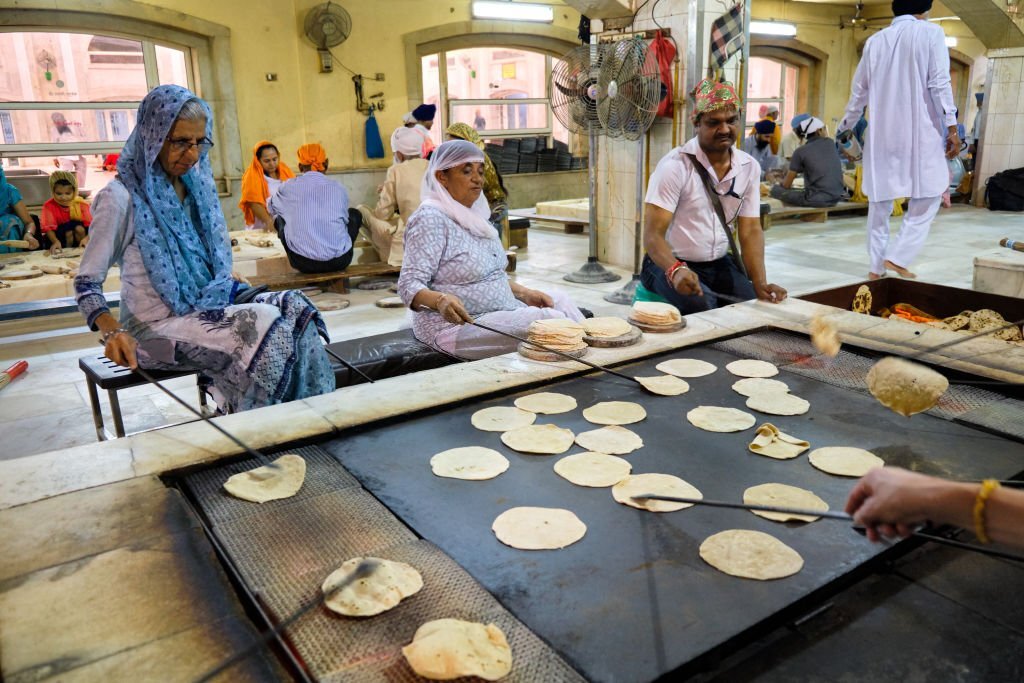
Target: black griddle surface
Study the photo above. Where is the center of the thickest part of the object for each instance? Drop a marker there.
(633, 601)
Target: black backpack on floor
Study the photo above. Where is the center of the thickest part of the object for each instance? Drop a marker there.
(1005, 191)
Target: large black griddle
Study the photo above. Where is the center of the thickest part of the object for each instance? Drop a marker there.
(633, 601)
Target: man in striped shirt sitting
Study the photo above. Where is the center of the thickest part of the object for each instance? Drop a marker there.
(313, 218)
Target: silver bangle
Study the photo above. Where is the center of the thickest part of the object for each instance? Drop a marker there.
(107, 336)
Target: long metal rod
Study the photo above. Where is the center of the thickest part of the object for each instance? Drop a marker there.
(592, 177)
(348, 364)
(942, 540)
(259, 455)
(828, 514)
(555, 351)
(362, 570)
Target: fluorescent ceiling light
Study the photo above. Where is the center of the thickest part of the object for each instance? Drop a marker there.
(515, 11)
(773, 28)
(951, 41)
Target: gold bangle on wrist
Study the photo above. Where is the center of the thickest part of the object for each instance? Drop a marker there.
(980, 501)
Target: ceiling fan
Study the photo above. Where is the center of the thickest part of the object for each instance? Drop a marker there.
(858, 20)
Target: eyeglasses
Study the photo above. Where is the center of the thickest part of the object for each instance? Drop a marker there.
(182, 145)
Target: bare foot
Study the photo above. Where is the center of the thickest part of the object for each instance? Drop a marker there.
(901, 271)
(875, 276)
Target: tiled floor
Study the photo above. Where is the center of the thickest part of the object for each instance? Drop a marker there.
(47, 408)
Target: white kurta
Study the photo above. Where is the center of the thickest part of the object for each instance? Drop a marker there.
(903, 79)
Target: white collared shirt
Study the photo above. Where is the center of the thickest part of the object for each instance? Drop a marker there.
(695, 233)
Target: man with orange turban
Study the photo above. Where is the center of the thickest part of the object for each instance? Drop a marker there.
(695, 190)
(312, 216)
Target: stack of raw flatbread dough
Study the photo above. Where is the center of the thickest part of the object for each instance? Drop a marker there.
(560, 334)
(655, 313)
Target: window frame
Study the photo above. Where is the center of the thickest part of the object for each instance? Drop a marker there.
(151, 68)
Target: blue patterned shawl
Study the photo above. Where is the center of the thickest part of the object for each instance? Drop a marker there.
(189, 274)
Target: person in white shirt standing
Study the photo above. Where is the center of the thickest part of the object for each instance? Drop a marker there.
(903, 79)
(688, 261)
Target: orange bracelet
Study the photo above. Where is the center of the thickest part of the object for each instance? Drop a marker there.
(987, 487)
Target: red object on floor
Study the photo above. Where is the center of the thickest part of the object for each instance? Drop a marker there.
(10, 373)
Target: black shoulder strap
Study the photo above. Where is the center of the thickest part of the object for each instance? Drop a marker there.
(716, 202)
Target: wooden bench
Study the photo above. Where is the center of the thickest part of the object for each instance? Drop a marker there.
(570, 225)
(103, 373)
(336, 281)
(812, 214)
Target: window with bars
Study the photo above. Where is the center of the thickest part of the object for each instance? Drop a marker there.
(76, 94)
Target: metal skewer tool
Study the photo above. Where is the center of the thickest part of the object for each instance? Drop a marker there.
(362, 570)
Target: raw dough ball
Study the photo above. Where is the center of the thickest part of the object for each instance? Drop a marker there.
(546, 403)
(266, 483)
(718, 419)
(778, 404)
(845, 461)
(543, 439)
(388, 584)
(614, 413)
(451, 648)
(531, 528)
(752, 368)
(775, 444)
(593, 469)
(501, 419)
(750, 555)
(469, 462)
(759, 385)
(905, 387)
(664, 385)
(613, 440)
(661, 484)
(783, 495)
(686, 367)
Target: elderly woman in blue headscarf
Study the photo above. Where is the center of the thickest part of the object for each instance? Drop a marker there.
(161, 221)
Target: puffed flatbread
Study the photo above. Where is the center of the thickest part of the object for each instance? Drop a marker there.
(264, 484)
(720, 419)
(749, 386)
(772, 443)
(905, 387)
(844, 461)
(593, 469)
(614, 413)
(540, 439)
(534, 528)
(661, 484)
(501, 418)
(784, 495)
(606, 327)
(749, 367)
(664, 385)
(778, 404)
(686, 367)
(612, 440)
(445, 649)
(387, 585)
(546, 403)
(825, 335)
(469, 462)
(750, 555)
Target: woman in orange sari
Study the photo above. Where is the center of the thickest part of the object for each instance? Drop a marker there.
(260, 182)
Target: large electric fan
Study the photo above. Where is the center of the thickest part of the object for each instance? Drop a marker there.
(327, 25)
(630, 90)
(575, 91)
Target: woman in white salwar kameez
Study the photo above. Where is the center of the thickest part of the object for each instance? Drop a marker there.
(903, 79)
(454, 266)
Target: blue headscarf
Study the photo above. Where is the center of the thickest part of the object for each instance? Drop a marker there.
(189, 274)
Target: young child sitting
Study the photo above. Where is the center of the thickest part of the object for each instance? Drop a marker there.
(66, 217)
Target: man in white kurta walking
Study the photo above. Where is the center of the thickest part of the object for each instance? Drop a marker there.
(903, 79)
